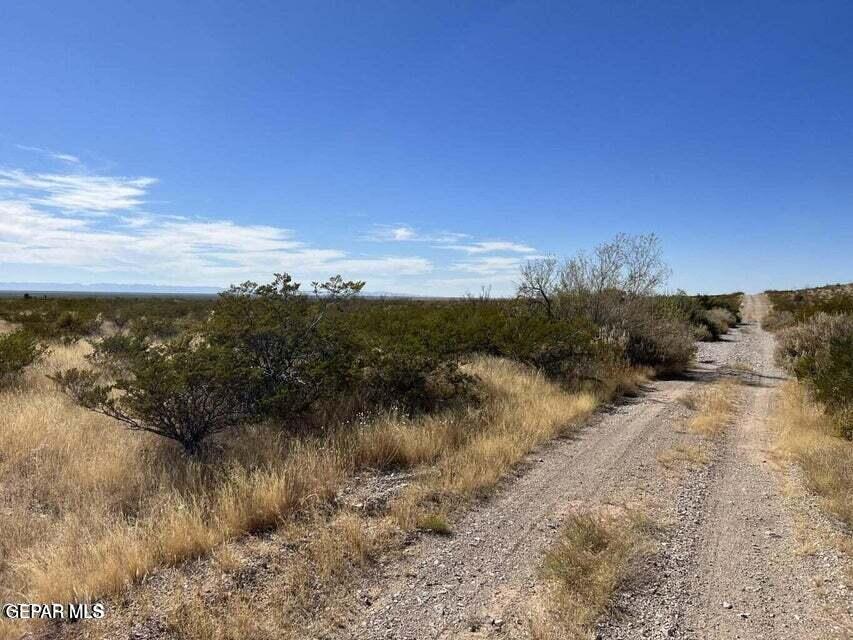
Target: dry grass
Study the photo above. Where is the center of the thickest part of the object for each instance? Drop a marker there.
(683, 454)
(6, 326)
(521, 411)
(92, 508)
(594, 555)
(808, 436)
(715, 406)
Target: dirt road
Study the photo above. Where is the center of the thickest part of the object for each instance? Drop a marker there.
(728, 565)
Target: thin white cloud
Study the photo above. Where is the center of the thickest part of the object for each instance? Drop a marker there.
(405, 233)
(190, 252)
(490, 247)
(490, 265)
(63, 157)
(76, 192)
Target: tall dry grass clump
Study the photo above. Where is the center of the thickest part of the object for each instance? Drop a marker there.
(715, 407)
(595, 553)
(810, 438)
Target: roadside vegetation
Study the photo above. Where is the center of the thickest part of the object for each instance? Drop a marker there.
(715, 407)
(141, 433)
(815, 413)
(595, 554)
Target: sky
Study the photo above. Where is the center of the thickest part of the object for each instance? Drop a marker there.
(425, 147)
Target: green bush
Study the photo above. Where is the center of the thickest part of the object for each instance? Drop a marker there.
(413, 383)
(829, 373)
(181, 391)
(661, 342)
(718, 321)
(18, 350)
(294, 344)
(819, 352)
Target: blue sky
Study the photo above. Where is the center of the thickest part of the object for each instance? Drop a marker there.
(425, 147)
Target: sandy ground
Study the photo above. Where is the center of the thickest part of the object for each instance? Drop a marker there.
(730, 563)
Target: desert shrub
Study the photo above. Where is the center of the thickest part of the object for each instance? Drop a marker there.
(832, 299)
(299, 351)
(149, 326)
(18, 350)
(115, 354)
(777, 320)
(731, 302)
(615, 289)
(413, 383)
(659, 340)
(829, 374)
(179, 391)
(711, 316)
(819, 352)
(808, 339)
(452, 331)
(719, 321)
(72, 317)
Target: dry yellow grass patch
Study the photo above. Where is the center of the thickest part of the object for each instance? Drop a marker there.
(715, 406)
(594, 555)
(6, 326)
(807, 436)
(299, 594)
(522, 410)
(683, 454)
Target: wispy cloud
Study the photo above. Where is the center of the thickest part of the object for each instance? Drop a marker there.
(93, 223)
(55, 155)
(490, 247)
(490, 265)
(76, 192)
(405, 233)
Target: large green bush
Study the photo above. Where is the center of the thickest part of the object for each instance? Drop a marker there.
(819, 352)
(18, 350)
(296, 346)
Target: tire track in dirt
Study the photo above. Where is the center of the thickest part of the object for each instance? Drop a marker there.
(730, 567)
(750, 582)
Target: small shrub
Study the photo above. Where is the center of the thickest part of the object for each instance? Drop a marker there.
(181, 392)
(413, 383)
(807, 339)
(777, 320)
(18, 350)
(658, 338)
(829, 374)
(434, 523)
(819, 352)
(719, 321)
